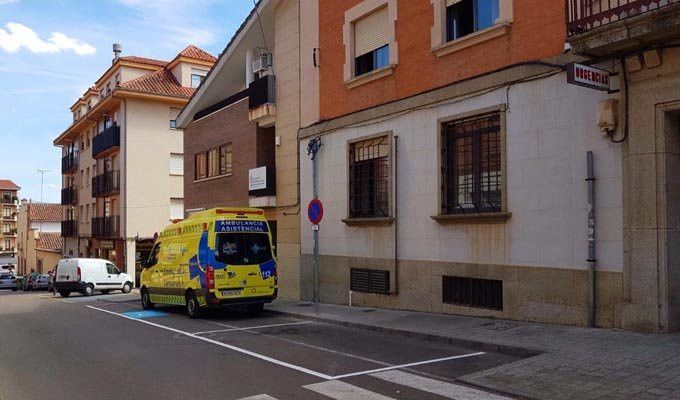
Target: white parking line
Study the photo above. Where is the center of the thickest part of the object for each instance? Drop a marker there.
(279, 362)
(259, 397)
(444, 389)
(217, 343)
(254, 327)
(413, 364)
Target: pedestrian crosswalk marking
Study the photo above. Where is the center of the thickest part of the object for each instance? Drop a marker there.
(339, 390)
(444, 389)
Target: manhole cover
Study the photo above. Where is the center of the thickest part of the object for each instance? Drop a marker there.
(498, 326)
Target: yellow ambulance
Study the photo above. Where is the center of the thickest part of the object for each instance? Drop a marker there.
(222, 256)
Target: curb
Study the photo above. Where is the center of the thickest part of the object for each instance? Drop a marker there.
(472, 344)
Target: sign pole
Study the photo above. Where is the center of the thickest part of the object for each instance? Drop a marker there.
(312, 149)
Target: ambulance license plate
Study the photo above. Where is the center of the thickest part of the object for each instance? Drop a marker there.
(227, 293)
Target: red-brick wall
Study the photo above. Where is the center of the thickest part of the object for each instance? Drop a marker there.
(249, 145)
(538, 31)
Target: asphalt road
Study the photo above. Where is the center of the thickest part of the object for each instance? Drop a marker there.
(102, 347)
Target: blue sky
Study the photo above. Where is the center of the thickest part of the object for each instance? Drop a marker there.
(51, 51)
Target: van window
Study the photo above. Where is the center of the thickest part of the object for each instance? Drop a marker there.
(153, 256)
(111, 269)
(243, 248)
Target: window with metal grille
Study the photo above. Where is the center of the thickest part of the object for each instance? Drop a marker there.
(472, 292)
(471, 165)
(369, 280)
(369, 178)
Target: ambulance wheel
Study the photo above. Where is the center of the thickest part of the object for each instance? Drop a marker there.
(193, 308)
(254, 309)
(89, 290)
(146, 300)
(127, 288)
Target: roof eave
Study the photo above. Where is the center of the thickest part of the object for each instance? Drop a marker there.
(186, 115)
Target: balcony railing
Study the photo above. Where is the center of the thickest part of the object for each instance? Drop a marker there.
(69, 163)
(69, 196)
(106, 184)
(105, 227)
(69, 228)
(584, 15)
(106, 140)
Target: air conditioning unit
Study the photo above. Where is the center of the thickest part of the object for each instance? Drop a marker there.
(262, 63)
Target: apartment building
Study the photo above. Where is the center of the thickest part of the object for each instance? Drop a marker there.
(8, 234)
(453, 164)
(240, 129)
(39, 240)
(122, 169)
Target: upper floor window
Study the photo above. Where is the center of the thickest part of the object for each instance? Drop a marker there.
(464, 17)
(369, 37)
(214, 162)
(371, 42)
(472, 173)
(369, 178)
(118, 79)
(196, 80)
(173, 124)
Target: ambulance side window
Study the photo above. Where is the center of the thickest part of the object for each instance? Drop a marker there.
(153, 256)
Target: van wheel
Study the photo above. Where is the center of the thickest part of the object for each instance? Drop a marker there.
(254, 309)
(89, 290)
(64, 293)
(127, 288)
(193, 308)
(146, 301)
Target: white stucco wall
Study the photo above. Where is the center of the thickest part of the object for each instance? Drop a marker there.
(54, 227)
(148, 183)
(550, 126)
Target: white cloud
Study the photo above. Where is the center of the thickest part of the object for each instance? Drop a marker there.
(7, 1)
(18, 36)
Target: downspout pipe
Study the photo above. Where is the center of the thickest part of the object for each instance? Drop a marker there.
(396, 214)
(592, 260)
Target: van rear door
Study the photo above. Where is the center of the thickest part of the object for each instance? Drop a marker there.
(67, 270)
(244, 253)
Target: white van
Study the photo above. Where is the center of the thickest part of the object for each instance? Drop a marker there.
(85, 275)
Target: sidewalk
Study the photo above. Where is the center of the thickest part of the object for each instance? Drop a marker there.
(571, 362)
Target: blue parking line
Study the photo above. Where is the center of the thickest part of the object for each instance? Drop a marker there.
(144, 314)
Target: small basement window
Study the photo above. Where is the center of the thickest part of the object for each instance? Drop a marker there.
(473, 292)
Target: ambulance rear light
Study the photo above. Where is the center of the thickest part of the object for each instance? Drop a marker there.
(210, 277)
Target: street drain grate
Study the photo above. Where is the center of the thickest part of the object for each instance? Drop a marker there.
(498, 326)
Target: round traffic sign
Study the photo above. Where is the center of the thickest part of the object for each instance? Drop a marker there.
(315, 211)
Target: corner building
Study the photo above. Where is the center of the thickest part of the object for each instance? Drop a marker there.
(122, 161)
(453, 163)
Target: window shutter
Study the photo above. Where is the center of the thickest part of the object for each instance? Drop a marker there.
(176, 164)
(371, 32)
(176, 209)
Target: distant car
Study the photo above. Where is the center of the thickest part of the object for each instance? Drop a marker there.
(42, 282)
(29, 282)
(8, 282)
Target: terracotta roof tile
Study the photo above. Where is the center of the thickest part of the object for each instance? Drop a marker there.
(194, 52)
(46, 212)
(49, 241)
(144, 60)
(161, 82)
(8, 185)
